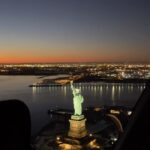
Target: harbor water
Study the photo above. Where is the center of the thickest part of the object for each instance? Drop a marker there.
(40, 99)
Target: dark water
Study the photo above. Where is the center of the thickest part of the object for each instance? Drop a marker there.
(39, 100)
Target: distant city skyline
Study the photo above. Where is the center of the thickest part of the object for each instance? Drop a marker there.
(49, 31)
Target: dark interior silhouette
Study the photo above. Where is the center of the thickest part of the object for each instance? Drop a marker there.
(137, 132)
(15, 125)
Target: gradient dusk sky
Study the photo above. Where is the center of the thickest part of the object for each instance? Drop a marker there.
(74, 31)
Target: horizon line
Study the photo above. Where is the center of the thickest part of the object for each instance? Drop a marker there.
(75, 62)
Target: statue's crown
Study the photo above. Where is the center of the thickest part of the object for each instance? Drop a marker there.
(77, 90)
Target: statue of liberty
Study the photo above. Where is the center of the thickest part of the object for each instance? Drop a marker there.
(77, 100)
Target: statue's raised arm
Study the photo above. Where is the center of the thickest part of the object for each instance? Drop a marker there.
(71, 83)
(72, 88)
(77, 100)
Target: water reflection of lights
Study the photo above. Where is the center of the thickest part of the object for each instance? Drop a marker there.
(128, 87)
(101, 90)
(92, 87)
(113, 93)
(95, 89)
(65, 90)
(119, 91)
(131, 88)
(141, 88)
(84, 87)
(34, 90)
(107, 88)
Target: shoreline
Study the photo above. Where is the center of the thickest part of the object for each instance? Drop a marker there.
(52, 83)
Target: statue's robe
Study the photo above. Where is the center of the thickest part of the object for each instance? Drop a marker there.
(77, 102)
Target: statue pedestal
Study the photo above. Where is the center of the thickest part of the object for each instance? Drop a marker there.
(77, 127)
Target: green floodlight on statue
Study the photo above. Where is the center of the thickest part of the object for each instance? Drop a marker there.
(77, 100)
(77, 121)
